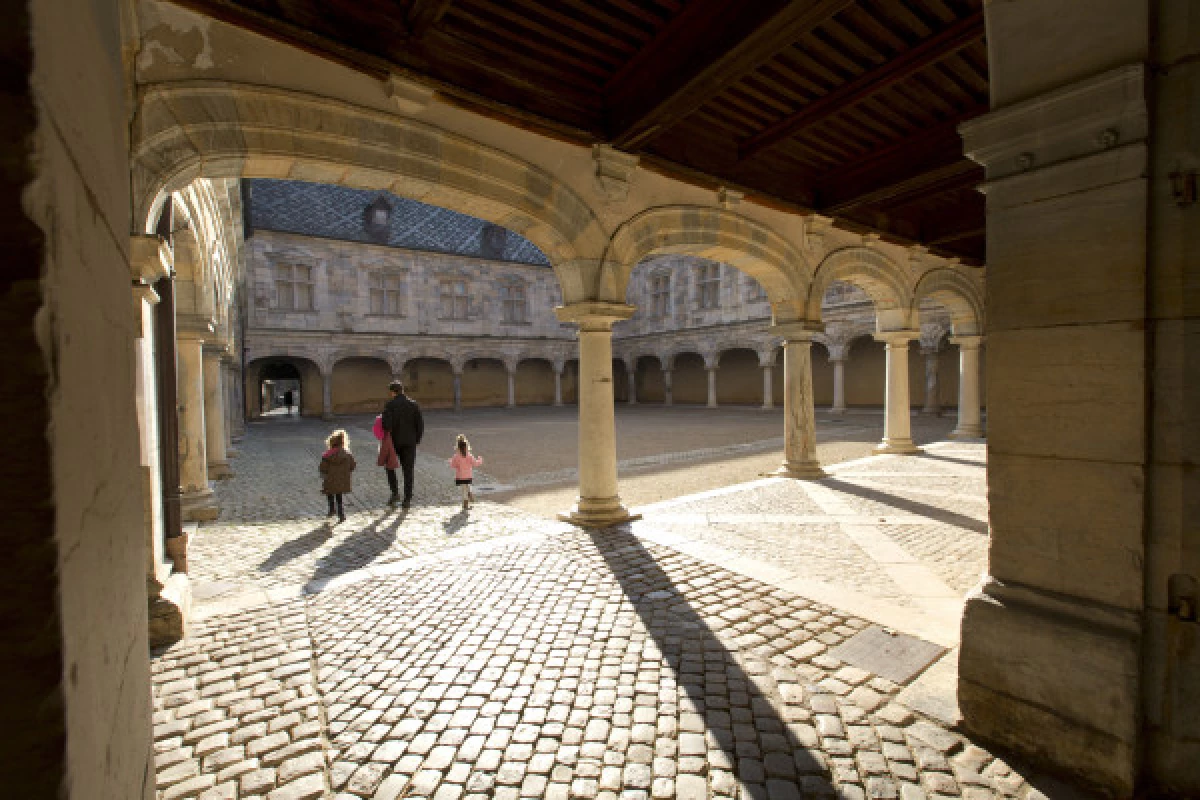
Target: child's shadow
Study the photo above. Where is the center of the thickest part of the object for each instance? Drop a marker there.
(455, 523)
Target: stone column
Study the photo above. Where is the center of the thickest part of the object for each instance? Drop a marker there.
(232, 409)
(632, 374)
(768, 371)
(712, 386)
(667, 398)
(970, 424)
(599, 504)
(511, 372)
(558, 373)
(167, 589)
(933, 404)
(214, 414)
(197, 500)
(327, 394)
(897, 412)
(799, 416)
(839, 386)
(1079, 646)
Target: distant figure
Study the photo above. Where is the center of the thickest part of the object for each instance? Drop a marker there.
(287, 401)
(464, 463)
(403, 423)
(337, 463)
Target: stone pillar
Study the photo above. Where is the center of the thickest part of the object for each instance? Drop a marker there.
(970, 424)
(712, 386)
(799, 415)
(511, 372)
(326, 394)
(197, 500)
(558, 372)
(214, 414)
(632, 374)
(1079, 647)
(839, 386)
(599, 504)
(933, 404)
(232, 409)
(168, 590)
(897, 412)
(768, 371)
(667, 398)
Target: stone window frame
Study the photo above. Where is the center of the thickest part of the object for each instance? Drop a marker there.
(382, 272)
(708, 286)
(514, 301)
(658, 287)
(281, 262)
(459, 302)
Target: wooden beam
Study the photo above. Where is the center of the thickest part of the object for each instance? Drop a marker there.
(424, 14)
(706, 48)
(957, 236)
(949, 41)
(958, 174)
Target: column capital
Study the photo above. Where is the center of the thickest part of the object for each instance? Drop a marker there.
(217, 350)
(967, 342)
(897, 338)
(595, 316)
(150, 258)
(797, 331)
(194, 326)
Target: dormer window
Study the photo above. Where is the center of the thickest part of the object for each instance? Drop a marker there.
(377, 219)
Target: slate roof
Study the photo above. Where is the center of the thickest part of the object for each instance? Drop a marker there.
(336, 212)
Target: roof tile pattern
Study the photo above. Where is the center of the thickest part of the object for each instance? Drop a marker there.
(336, 212)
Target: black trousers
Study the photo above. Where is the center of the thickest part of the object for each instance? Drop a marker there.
(407, 453)
(338, 498)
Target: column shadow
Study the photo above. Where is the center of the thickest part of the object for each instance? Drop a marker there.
(743, 725)
(911, 506)
(965, 462)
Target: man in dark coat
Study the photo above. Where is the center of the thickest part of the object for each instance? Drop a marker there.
(402, 421)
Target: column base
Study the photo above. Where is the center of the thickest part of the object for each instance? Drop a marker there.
(170, 609)
(931, 412)
(232, 452)
(900, 447)
(219, 470)
(806, 471)
(969, 432)
(598, 513)
(1054, 678)
(766, 407)
(838, 411)
(327, 416)
(199, 506)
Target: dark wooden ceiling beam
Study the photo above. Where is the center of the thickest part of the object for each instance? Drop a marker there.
(424, 14)
(949, 41)
(957, 174)
(709, 46)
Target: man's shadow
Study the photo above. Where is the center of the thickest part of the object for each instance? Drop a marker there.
(294, 548)
(360, 548)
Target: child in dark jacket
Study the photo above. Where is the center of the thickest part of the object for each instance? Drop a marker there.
(336, 465)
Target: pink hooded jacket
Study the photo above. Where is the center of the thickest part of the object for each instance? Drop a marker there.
(464, 465)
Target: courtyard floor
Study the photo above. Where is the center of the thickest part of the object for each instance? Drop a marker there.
(770, 638)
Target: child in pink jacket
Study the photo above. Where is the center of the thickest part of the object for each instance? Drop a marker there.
(464, 462)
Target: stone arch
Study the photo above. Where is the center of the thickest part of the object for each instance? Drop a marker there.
(955, 292)
(311, 377)
(359, 382)
(882, 279)
(711, 233)
(189, 130)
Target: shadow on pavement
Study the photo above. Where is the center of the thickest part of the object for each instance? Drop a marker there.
(454, 524)
(294, 548)
(911, 506)
(741, 721)
(966, 462)
(360, 548)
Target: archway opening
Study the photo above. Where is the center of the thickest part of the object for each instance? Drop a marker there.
(535, 382)
(739, 378)
(620, 381)
(268, 380)
(689, 380)
(648, 374)
(360, 384)
(484, 383)
(429, 381)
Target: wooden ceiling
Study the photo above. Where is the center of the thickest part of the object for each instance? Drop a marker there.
(846, 107)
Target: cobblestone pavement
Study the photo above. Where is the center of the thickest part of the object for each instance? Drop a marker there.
(568, 666)
(496, 654)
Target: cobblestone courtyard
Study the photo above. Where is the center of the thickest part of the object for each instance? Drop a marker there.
(495, 653)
